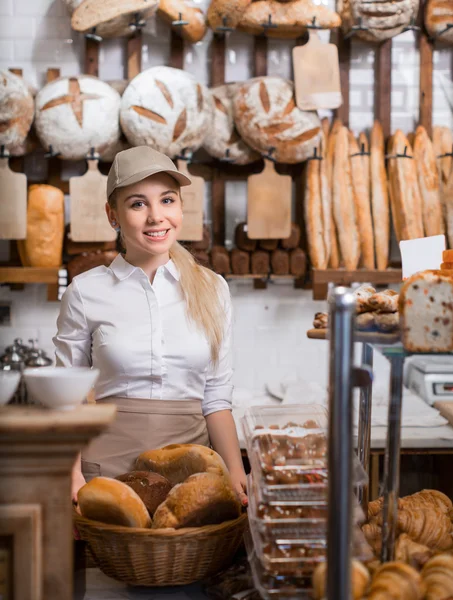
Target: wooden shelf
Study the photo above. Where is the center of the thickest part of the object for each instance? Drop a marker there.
(322, 278)
(22, 275)
(370, 337)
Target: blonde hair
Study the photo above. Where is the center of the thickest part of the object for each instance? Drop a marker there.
(201, 290)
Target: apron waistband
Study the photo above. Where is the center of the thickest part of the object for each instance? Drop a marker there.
(154, 407)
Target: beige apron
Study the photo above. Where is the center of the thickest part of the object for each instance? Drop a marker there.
(141, 425)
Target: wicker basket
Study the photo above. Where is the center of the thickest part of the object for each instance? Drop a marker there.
(162, 557)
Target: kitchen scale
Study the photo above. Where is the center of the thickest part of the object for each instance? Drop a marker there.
(430, 377)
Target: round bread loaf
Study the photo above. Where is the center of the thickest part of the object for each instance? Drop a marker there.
(181, 10)
(227, 13)
(112, 18)
(222, 139)
(438, 15)
(151, 487)
(177, 462)
(267, 117)
(166, 109)
(203, 499)
(111, 501)
(75, 114)
(16, 112)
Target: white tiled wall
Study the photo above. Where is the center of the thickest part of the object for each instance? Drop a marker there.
(270, 324)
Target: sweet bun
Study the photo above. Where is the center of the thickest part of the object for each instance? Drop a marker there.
(204, 499)
(151, 487)
(177, 462)
(112, 501)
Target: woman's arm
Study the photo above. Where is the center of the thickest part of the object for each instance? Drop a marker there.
(224, 440)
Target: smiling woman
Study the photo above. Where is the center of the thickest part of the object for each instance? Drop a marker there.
(156, 324)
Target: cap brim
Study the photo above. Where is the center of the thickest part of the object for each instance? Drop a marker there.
(141, 175)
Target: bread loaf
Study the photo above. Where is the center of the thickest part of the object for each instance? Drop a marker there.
(381, 19)
(379, 197)
(426, 309)
(428, 180)
(166, 109)
(175, 10)
(43, 246)
(291, 18)
(438, 15)
(16, 112)
(267, 117)
(405, 196)
(204, 243)
(111, 501)
(314, 217)
(226, 12)
(293, 240)
(280, 262)
(343, 203)
(89, 260)
(177, 462)
(362, 204)
(76, 114)
(268, 245)
(442, 144)
(111, 18)
(240, 262)
(202, 257)
(297, 262)
(364, 146)
(242, 240)
(220, 260)
(202, 499)
(260, 262)
(152, 488)
(222, 138)
(328, 155)
(326, 198)
(447, 256)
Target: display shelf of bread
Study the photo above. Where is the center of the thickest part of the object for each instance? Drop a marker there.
(178, 502)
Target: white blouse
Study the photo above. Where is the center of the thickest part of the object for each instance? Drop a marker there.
(139, 337)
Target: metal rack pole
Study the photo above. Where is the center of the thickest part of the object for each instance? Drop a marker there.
(392, 459)
(341, 319)
(364, 437)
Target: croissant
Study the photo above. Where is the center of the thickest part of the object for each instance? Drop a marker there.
(410, 552)
(375, 507)
(427, 498)
(373, 534)
(396, 581)
(428, 526)
(438, 577)
(359, 582)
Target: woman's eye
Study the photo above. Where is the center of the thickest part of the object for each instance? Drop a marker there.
(138, 204)
(168, 200)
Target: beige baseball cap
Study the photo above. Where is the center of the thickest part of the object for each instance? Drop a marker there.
(135, 164)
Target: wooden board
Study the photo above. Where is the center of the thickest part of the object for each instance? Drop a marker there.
(370, 337)
(192, 206)
(88, 193)
(269, 204)
(13, 203)
(316, 75)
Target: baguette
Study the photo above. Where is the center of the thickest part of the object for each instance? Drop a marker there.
(313, 216)
(335, 258)
(442, 144)
(448, 199)
(362, 204)
(404, 191)
(326, 198)
(428, 179)
(365, 144)
(343, 203)
(379, 197)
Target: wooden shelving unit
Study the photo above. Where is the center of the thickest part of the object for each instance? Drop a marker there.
(322, 277)
(21, 275)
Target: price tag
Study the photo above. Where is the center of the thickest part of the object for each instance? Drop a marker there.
(421, 254)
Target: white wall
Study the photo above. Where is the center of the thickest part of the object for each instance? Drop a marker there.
(270, 325)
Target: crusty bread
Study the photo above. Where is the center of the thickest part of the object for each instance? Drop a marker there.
(426, 310)
(365, 144)
(291, 18)
(362, 204)
(447, 256)
(266, 116)
(177, 462)
(226, 12)
(326, 199)
(334, 254)
(151, 487)
(381, 19)
(111, 501)
(16, 112)
(404, 190)
(439, 14)
(343, 202)
(428, 180)
(442, 144)
(314, 216)
(379, 197)
(174, 10)
(203, 499)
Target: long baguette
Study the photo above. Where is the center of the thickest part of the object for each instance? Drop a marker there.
(313, 216)
(442, 144)
(361, 203)
(326, 199)
(379, 197)
(428, 180)
(405, 194)
(335, 258)
(365, 145)
(343, 203)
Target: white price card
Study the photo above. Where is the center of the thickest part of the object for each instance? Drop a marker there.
(421, 254)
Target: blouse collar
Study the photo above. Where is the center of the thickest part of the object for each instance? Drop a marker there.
(122, 269)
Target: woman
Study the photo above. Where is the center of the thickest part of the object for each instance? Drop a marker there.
(156, 324)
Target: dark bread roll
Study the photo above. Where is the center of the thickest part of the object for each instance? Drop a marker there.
(280, 262)
(297, 262)
(240, 262)
(151, 487)
(90, 260)
(270, 244)
(242, 240)
(220, 260)
(260, 262)
(293, 240)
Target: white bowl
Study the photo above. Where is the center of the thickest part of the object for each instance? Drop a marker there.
(9, 380)
(63, 388)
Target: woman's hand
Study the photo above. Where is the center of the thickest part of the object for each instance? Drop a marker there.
(239, 481)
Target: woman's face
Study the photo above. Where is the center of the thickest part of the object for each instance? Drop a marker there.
(149, 214)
